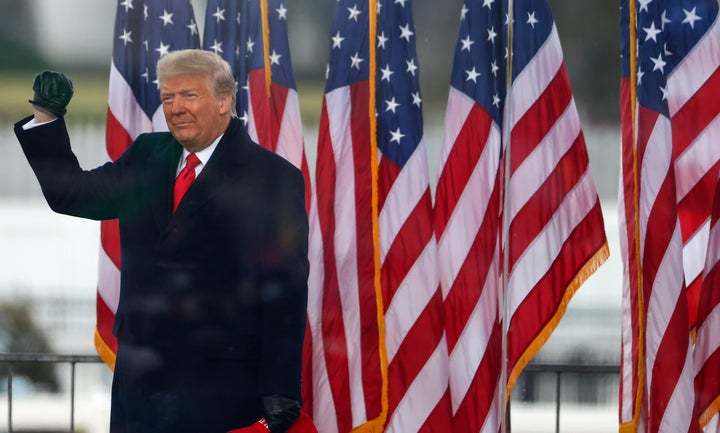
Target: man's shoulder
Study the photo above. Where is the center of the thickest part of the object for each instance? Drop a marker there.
(155, 137)
(155, 141)
(276, 161)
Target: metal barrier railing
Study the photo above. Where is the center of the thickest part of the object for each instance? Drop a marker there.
(15, 358)
(560, 369)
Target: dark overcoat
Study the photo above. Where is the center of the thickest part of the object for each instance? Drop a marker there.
(213, 298)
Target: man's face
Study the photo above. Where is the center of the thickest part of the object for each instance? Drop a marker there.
(195, 116)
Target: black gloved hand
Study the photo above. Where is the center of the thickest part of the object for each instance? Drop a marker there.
(53, 91)
(280, 412)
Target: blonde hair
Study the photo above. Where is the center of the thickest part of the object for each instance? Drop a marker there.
(200, 62)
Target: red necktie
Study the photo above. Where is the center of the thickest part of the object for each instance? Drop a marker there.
(184, 179)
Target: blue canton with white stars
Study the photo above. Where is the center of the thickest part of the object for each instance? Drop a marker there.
(652, 69)
(480, 64)
(145, 31)
(399, 102)
(666, 32)
(233, 30)
(398, 99)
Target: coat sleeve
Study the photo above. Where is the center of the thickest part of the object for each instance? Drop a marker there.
(284, 287)
(68, 188)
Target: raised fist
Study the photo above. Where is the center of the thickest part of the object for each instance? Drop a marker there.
(53, 91)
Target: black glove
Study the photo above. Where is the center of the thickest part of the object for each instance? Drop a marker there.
(53, 91)
(280, 412)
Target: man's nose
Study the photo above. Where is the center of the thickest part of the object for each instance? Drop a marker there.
(178, 106)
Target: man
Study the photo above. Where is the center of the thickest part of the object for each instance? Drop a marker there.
(211, 316)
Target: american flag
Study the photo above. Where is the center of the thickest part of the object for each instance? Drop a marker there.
(707, 341)
(692, 54)
(380, 358)
(252, 35)
(555, 234)
(656, 393)
(145, 30)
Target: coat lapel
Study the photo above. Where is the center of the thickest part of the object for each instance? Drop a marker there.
(222, 166)
(162, 167)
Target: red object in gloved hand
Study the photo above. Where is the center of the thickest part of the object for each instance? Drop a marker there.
(259, 426)
(303, 425)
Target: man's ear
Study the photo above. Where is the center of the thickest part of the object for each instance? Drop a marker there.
(225, 102)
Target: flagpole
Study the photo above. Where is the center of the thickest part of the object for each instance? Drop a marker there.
(640, 394)
(378, 424)
(266, 44)
(507, 129)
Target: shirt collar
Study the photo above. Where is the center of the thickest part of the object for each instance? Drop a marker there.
(203, 155)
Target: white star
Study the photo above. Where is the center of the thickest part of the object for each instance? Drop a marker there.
(163, 49)
(379, 5)
(651, 32)
(664, 93)
(166, 17)
(245, 118)
(659, 63)
(507, 19)
(275, 58)
(488, 3)
(667, 52)
(411, 66)
(416, 98)
(237, 50)
(531, 19)
(496, 100)
(282, 12)
(145, 44)
(691, 17)
(405, 32)
(466, 43)
(146, 75)
(664, 20)
(463, 12)
(145, 12)
(491, 34)
(391, 105)
(337, 40)
(494, 68)
(472, 75)
(193, 27)
(386, 73)
(249, 45)
(128, 4)
(327, 71)
(354, 12)
(237, 18)
(402, 2)
(217, 46)
(396, 136)
(644, 4)
(355, 61)
(126, 37)
(219, 14)
(382, 39)
(640, 74)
